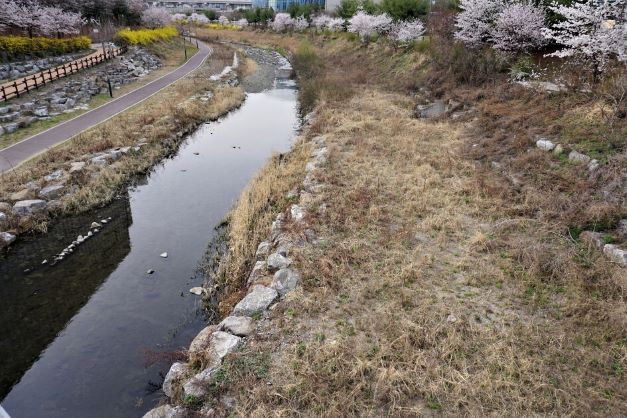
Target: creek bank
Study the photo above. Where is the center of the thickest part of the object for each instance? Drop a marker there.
(18, 69)
(73, 93)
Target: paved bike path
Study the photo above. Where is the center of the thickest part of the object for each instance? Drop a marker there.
(24, 150)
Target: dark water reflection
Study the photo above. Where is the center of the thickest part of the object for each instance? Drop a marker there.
(75, 334)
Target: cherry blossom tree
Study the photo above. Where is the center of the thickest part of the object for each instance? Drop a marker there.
(519, 27)
(155, 17)
(9, 13)
(136, 6)
(55, 21)
(179, 18)
(403, 32)
(593, 31)
(322, 22)
(475, 23)
(300, 24)
(281, 22)
(223, 20)
(198, 19)
(366, 25)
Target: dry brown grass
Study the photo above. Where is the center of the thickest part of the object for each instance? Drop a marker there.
(410, 239)
(441, 287)
(250, 219)
(158, 122)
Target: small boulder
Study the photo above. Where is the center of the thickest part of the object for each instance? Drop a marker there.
(263, 249)
(545, 144)
(222, 343)
(27, 207)
(578, 157)
(201, 342)
(54, 191)
(241, 326)
(6, 239)
(95, 225)
(621, 230)
(257, 300)
(199, 384)
(22, 195)
(616, 254)
(3, 217)
(277, 261)
(197, 290)
(41, 112)
(176, 373)
(55, 175)
(167, 411)
(297, 213)
(257, 272)
(285, 280)
(433, 110)
(77, 166)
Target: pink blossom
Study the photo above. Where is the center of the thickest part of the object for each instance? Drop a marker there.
(406, 31)
(198, 19)
(475, 22)
(519, 27)
(155, 17)
(223, 20)
(281, 22)
(300, 24)
(366, 25)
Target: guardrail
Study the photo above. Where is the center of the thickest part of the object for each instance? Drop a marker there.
(33, 82)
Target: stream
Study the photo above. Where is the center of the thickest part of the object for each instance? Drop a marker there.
(94, 335)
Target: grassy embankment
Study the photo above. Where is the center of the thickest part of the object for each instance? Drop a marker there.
(172, 55)
(443, 286)
(161, 122)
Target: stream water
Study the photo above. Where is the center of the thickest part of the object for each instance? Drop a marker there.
(78, 339)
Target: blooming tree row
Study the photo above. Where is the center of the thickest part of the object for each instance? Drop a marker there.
(36, 19)
(156, 17)
(592, 30)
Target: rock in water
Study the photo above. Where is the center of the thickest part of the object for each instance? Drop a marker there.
(175, 374)
(164, 255)
(197, 290)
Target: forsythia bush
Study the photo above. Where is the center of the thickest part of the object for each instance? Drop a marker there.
(221, 26)
(16, 46)
(145, 36)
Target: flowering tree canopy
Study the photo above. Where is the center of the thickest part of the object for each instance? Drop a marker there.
(156, 17)
(281, 22)
(366, 25)
(34, 18)
(594, 31)
(179, 18)
(333, 24)
(406, 31)
(476, 21)
(223, 20)
(55, 21)
(300, 23)
(198, 19)
(519, 27)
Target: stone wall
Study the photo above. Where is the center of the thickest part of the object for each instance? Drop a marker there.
(15, 70)
(74, 92)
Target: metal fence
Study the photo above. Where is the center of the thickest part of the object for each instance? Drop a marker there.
(33, 82)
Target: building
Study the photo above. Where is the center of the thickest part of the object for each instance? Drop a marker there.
(176, 6)
(282, 5)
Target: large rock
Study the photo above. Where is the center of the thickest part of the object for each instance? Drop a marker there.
(263, 250)
(285, 280)
(176, 373)
(198, 386)
(276, 262)
(257, 272)
(27, 207)
(241, 326)
(167, 411)
(6, 239)
(257, 300)
(545, 144)
(54, 191)
(41, 112)
(200, 343)
(222, 343)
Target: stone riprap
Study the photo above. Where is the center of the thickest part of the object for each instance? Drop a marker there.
(20, 69)
(73, 93)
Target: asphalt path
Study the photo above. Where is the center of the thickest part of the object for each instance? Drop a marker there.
(16, 154)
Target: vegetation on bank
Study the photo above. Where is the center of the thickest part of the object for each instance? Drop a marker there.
(159, 123)
(145, 37)
(451, 278)
(16, 47)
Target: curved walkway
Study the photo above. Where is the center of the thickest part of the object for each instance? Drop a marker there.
(26, 149)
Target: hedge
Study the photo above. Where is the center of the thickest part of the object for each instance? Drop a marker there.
(16, 46)
(145, 36)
